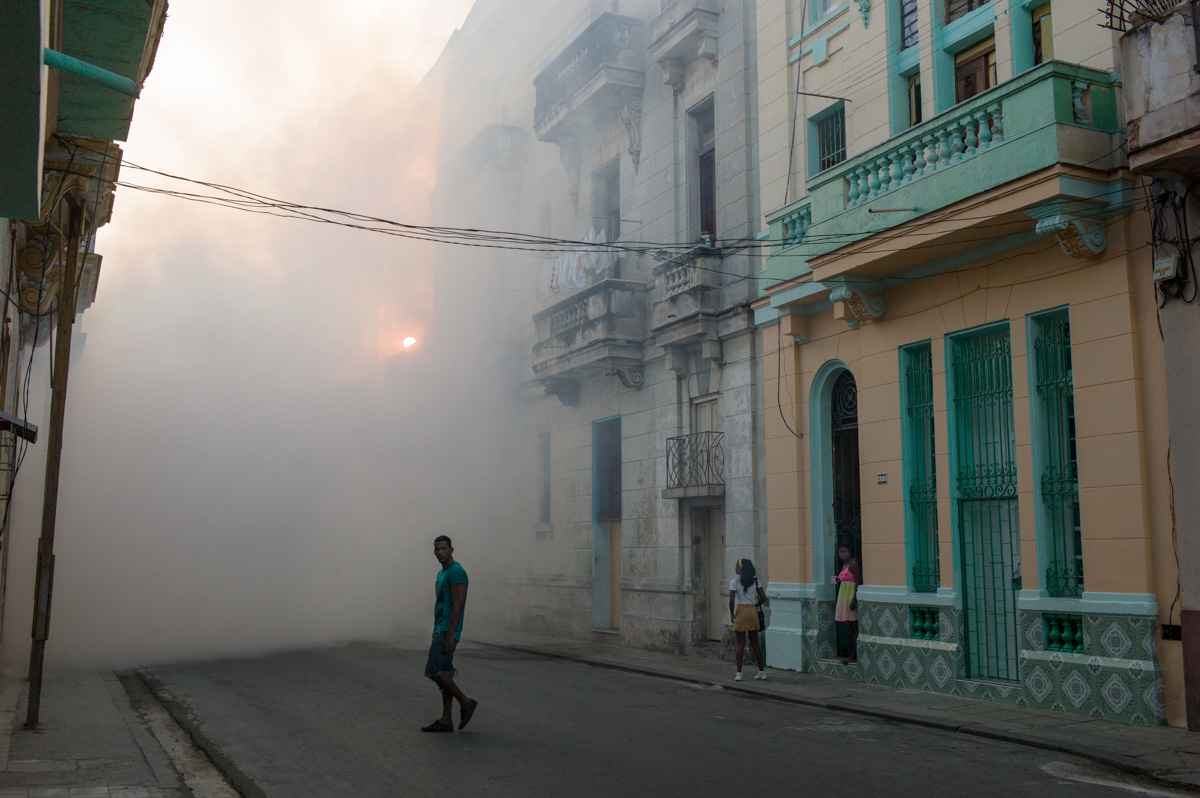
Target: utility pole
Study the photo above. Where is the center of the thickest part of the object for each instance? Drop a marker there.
(68, 294)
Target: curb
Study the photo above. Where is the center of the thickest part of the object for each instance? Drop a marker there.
(1124, 763)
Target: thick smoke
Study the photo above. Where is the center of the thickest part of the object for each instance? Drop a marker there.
(251, 458)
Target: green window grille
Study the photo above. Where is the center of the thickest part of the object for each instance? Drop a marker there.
(920, 477)
(1055, 455)
(984, 492)
(925, 623)
(1063, 632)
(831, 139)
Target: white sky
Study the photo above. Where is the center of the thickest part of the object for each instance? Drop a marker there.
(234, 472)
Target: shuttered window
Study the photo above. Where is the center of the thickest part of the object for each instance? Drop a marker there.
(708, 193)
(606, 437)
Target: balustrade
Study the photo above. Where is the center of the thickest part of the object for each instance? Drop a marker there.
(950, 143)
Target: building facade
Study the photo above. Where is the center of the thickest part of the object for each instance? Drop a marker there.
(963, 370)
(1162, 109)
(72, 75)
(623, 139)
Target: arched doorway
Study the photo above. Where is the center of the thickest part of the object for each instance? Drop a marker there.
(843, 433)
(836, 506)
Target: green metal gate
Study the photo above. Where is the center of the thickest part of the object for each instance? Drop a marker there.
(984, 488)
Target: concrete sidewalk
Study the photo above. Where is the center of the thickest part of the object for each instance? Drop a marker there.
(1163, 752)
(89, 742)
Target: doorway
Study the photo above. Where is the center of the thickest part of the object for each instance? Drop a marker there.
(708, 530)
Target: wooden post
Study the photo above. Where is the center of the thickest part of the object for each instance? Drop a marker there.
(43, 591)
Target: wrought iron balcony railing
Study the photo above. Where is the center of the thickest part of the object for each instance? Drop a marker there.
(695, 461)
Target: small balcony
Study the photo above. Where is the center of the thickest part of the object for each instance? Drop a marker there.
(599, 331)
(1025, 134)
(687, 297)
(684, 31)
(588, 82)
(695, 466)
(1162, 91)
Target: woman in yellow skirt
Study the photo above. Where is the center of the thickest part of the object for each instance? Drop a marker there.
(745, 597)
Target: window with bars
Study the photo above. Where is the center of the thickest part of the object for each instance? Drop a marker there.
(831, 138)
(1055, 458)
(960, 8)
(920, 475)
(909, 34)
(606, 444)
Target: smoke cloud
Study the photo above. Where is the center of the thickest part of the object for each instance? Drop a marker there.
(252, 460)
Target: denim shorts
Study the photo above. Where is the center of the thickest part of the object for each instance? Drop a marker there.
(439, 662)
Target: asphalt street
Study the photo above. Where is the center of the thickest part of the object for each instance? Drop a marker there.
(346, 722)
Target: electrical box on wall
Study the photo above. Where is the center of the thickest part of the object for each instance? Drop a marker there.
(1166, 268)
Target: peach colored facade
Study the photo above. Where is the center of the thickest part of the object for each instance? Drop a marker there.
(894, 246)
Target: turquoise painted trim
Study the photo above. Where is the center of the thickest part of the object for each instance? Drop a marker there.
(89, 72)
(1038, 124)
(814, 147)
(896, 594)
(907, 445)
(820, 47)
(951, 39)
(23, 98)
(798, 590)
(955, 528)
(1021, 33)
(1037, 420)
(821, 473)
(796, 293)
(992, 248)
(763, 235)
(1139, 604)
(901, 65)
(765, 316)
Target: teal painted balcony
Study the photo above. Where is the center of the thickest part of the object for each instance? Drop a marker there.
(933, 194)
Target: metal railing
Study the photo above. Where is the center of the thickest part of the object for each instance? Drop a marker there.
(695, 460)
(1121, 15)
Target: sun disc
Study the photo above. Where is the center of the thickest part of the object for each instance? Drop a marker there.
(409, 341)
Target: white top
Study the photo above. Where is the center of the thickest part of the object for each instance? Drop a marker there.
(744, 596)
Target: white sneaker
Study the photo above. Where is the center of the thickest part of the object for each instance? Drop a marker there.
(760, 675)
(737, 677)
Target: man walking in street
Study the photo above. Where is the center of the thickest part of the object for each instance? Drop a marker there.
(450, 591)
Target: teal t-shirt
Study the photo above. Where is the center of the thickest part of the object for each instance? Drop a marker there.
(444, 603)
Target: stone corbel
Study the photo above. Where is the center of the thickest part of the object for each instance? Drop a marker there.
(672, 71)
(630, 376)
(854, 306)
(710, 350)
(706, 47)
(1076, 225)
(794, 324)
(566, 390)
(677, 360)
(630, 111)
